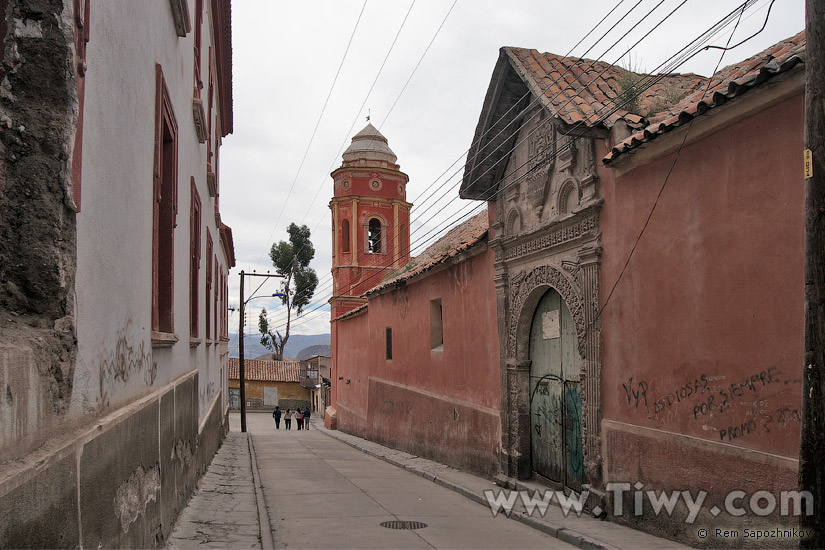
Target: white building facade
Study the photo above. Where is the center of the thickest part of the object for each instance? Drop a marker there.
(114, 264)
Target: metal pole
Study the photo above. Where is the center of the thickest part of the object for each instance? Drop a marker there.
(240, 361)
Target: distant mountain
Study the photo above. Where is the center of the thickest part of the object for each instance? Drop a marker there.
(296, 342)
(321, 349)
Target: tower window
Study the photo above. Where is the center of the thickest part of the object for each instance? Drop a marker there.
(374, 236)
(345, 236)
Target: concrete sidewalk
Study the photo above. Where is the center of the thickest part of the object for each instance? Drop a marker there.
(225, 510)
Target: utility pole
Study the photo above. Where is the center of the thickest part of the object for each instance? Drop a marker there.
(241, 323)
(240, 359)
(812, 447)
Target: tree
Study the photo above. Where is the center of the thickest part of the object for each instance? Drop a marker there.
(291, 259)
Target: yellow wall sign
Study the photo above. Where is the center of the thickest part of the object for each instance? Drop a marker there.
(809, 164)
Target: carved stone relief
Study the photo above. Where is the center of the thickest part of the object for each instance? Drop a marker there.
(514, 222)
(554, 163)
(568, 196)
(559, 236)
(577, 283)
(541, 146)
(550, 242)
(567, 154)
(523, 284)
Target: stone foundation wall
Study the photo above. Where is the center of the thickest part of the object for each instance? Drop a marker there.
(38, 257)
(120, 482)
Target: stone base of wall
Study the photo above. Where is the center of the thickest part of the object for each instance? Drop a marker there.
(457, 434)
(669, 462)
(120, 482)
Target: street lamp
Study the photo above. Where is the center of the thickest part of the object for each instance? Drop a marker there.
(241, 373)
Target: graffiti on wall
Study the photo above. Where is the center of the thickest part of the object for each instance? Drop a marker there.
(205, 396)
(122, 363)
(389, 407)
(715, 398)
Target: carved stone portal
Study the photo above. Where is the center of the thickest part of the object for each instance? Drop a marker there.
(578, 284)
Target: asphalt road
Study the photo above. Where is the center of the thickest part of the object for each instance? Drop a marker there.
(322, 493)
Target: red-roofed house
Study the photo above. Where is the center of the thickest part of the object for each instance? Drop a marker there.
(267, 384)
(414, 343)
(666, 362)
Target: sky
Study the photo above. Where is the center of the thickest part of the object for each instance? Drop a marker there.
(420, 69)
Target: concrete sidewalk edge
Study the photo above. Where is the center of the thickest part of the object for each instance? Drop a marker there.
(565, 534)
(267, 543)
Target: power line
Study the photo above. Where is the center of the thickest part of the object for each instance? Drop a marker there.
(315, 130)
(366, 98)
(673, 164)
(680, 57)
(515, 104)
(417, 64)
(361, 108)
(335, 160)
(651, 80)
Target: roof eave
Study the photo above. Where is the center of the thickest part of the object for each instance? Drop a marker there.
(471, 250)
(639, 140)
(472, 187)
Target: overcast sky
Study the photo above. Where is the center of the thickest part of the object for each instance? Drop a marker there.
(286, 56)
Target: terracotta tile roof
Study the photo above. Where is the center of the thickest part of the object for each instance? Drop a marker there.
(585, 91)
(457, 240)
(353, 312)
(732, 81)
(265, 371)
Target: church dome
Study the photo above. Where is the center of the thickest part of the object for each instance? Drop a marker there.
(369, 144)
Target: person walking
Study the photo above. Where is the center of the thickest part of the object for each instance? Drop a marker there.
(288, 420)
(299, 419)
(306, 418)
(276, 414)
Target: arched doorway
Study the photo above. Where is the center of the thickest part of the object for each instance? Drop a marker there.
(555, 396)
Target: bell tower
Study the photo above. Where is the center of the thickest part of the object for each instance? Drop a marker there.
(370, 219)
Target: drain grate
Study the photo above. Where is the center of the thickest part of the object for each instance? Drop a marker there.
(398, 524)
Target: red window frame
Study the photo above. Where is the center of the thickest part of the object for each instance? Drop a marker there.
(165, 208)
(217, 276)
(194, 259)
(208, 283)
(198, 42)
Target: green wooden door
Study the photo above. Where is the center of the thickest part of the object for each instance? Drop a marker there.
(555, 399)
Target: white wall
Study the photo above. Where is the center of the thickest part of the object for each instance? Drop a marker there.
(116, 362)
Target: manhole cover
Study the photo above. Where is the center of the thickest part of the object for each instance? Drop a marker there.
(398, 524)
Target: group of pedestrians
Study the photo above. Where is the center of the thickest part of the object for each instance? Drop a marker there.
(301, 418)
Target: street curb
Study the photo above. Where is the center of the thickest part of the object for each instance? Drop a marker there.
(564, 534)
(267, 543)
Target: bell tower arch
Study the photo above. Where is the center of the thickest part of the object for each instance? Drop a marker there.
(370, 219)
